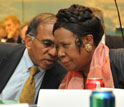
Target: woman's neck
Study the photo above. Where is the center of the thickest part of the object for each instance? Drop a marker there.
(85, 70)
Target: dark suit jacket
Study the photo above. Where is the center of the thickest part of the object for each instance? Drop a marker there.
(117, 66)
(114, 42)
(10, 55)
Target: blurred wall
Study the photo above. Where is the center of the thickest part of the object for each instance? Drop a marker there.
(27, 9)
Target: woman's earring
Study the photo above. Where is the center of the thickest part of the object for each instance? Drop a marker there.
(88, 47)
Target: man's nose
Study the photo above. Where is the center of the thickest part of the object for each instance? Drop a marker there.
(53, 51)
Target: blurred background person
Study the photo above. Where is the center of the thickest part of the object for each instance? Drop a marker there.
(12, 28)
(2, 33)
(23, 31)
(112, 41)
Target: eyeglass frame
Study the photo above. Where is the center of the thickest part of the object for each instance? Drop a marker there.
(47, 45)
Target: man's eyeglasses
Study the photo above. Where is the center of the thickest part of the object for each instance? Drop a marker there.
(47, 43)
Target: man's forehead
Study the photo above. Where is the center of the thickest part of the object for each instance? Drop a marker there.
(45, 31)
(46, 26)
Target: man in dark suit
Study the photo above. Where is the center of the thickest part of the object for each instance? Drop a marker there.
(39, 50)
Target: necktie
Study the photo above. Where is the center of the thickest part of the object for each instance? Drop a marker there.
(28, 91)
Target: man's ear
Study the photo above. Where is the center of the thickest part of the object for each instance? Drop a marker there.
(88, 39)
(28, 41)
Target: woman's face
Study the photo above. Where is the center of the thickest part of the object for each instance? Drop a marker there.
(68, 52)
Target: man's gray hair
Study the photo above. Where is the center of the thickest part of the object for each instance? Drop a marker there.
(47, 18)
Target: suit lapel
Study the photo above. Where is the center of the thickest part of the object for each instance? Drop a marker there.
(8, 65)
(50, 80)
(53, 77)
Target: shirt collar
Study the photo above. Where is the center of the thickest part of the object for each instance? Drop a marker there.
(29, 62)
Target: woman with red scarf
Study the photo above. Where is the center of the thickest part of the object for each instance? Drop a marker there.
(77, 35)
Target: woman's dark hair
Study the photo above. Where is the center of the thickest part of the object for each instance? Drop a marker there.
(81, 21)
